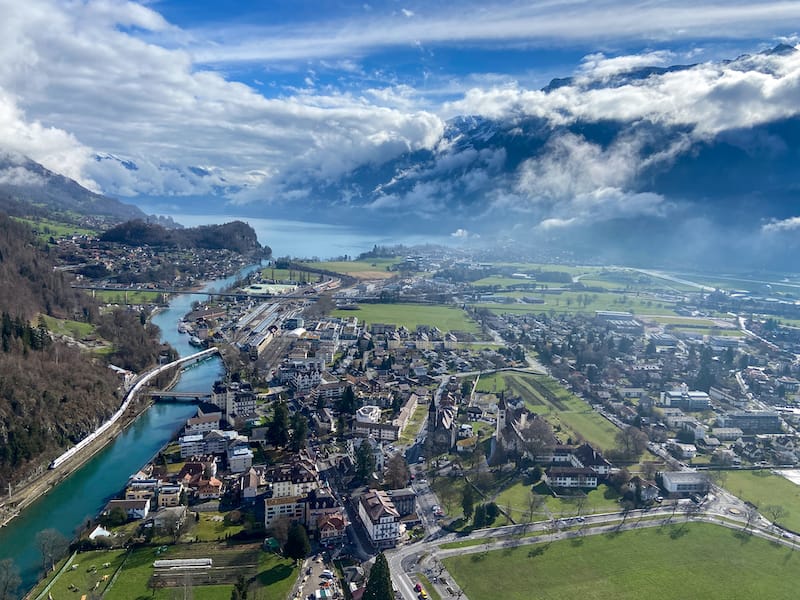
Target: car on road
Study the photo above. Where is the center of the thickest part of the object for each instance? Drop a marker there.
(418, 587)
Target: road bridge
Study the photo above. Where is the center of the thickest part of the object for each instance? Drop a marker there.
(178, 396)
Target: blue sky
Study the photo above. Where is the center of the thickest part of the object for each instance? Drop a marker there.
(246, 102)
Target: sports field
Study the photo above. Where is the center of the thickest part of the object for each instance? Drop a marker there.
(446, 318)
(695, 560)
(584, 302)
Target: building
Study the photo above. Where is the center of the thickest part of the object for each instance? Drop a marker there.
(684, 482)
(134, 509)
(571, 477)
(288, 507)
(752, 422)
(292, 479)
(240, 459)
(685, 399)
(331, 529)
(237, 400)
(202, 423)
(169, 495)
(380, 518)
(404, 500)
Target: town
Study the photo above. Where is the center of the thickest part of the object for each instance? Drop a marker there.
(427, 406)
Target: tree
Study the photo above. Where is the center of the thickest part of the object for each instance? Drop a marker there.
(537, 436)
(278, 429)
(365, 461)
(347, 403)
(239, 591)
(535, 502)
(52, 545)
(397, 473)
(468, 501)
(379, 585)
(631, 442)
(299, 432)
(115, 517)
(480, 516)
(297, 546)
(280, 530)
(9, 579)
(776, 513)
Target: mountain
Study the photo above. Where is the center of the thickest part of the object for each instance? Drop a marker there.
(685, 164)
(29, 189)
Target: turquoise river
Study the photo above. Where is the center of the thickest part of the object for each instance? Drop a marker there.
(84, 493)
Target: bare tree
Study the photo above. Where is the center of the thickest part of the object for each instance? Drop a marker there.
(776, 513)
(397, 473)
(537, 436)
(535, 502)
(52, 546)
(9, 579)
(280, 530)
(631, 442)
(750, 516)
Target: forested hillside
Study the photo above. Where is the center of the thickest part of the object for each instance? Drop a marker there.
(236, 236)
(52, 395)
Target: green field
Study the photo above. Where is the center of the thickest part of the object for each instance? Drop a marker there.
(763, 488)
(84, 577)
(137, 297)
(414, 424)
(46, 228)
(375, 268)
(576, 302)
(271, 575)
(696, 560)
(446, 318)
(517, 497)
(74, 329)
(570, 416)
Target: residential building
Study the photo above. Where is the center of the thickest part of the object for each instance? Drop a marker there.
(380, 518)
(571, 477)
(134, 509)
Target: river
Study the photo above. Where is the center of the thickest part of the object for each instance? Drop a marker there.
(84, 493)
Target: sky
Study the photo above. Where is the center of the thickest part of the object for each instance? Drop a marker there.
(245, 101)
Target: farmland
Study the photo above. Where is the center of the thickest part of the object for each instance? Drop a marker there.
(446, 318)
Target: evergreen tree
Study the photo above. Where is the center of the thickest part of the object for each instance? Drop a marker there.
(468, 501)
(297, 545)
(347, 403)
(278, 430)
(379, 585)
(365, 461)
(299, 432)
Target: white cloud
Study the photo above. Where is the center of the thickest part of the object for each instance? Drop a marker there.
(790, 224)
(407, 13)
(93, 87)
(520, 22)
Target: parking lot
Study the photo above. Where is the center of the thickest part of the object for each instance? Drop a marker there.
(312, 580)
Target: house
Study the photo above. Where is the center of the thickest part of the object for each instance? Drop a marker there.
(169, 517)
(169, 495)
(645, 491)
(331, 529)
(380, 518)
(571, 477)
(209, 489)
(202, 423)
(134, 509)
(249, 483)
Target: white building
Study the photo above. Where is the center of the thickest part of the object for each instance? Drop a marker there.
(368, 414)
(684, 482)
(240, 459)
(380, 518)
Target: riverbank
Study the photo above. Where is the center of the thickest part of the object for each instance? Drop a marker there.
(42, 484)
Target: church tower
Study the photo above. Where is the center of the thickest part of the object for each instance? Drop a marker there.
(502, 410)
